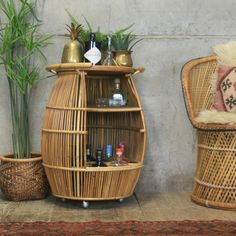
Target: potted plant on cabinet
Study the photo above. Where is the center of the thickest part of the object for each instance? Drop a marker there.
(101, 38)
(122, 43)
(84, 36)
(22, 175)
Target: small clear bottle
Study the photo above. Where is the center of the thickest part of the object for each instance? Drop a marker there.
(109, 60)
(118, 98)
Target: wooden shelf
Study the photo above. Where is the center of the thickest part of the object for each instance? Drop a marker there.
(113, 109)
(87, 67)
(130, 166)
(97, 109)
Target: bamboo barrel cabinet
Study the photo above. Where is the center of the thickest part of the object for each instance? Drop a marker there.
(73, 120)
(215, 178)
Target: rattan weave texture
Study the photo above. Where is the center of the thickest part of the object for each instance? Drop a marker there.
(23, 179)
(215, 179)
(72, 120)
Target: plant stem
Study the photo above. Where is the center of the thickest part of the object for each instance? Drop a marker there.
(20, 121)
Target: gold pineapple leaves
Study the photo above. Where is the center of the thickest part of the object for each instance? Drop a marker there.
(74, 30)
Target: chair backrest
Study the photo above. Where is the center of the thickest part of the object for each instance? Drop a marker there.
(195, 76)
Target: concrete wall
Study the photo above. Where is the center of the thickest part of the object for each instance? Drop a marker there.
(174, 32)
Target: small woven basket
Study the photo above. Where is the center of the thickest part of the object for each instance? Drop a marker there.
(23, 179)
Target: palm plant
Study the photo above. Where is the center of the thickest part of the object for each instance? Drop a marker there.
(19, 44)
(123, 40)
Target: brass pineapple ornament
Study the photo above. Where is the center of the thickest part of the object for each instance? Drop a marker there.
(72, 52)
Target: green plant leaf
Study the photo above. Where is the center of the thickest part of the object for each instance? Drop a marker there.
(20, 44)
(88, 24)
(72, 18)
(123, 40)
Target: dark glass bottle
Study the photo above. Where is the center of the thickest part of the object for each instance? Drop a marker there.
(99, 157)
(92, 41)
(92, 53)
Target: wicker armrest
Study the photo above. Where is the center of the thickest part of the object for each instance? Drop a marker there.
(195, 77)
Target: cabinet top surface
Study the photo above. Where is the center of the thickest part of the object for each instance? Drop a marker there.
(88, 67)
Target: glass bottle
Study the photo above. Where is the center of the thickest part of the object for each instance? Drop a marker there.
(119, 153)
(89, 156)
(122, 146)
(109, 60)
(108, 152)
(118, 98)
(99, 157)
(92, 41)
(119, 158)
(93, 54)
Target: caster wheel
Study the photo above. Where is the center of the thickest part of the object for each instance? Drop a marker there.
(85, 204)
(121, 200)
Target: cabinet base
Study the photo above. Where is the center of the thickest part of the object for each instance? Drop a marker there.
(93, 184)
(119, 198)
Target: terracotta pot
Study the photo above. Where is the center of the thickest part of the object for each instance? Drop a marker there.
(123, 58)
(23, 179)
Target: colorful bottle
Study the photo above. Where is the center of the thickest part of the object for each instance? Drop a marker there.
(119, 153)
(122, 146)
(99, 157)
(108, 152)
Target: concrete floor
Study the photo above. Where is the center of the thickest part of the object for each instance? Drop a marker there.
(141, 206)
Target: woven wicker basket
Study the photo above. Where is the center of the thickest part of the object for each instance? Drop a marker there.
(23, 179)
(215, 179)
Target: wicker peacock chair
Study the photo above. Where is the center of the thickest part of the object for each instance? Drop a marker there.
(215, 178)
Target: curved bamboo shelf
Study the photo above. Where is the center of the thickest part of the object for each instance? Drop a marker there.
(72, 120)
(71, 67)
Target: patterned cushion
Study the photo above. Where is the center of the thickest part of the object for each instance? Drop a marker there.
(228, 90)
(223, 89)
(221, 72)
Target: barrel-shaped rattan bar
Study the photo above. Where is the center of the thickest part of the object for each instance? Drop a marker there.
(73, 120)
(215, 179)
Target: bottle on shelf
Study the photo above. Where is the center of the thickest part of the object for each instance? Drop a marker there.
(93, 54)
(122, 146)
(119, 158)
(118, 98)
(99, 157)
(109, 60)
(89, 156)
(108, 152)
